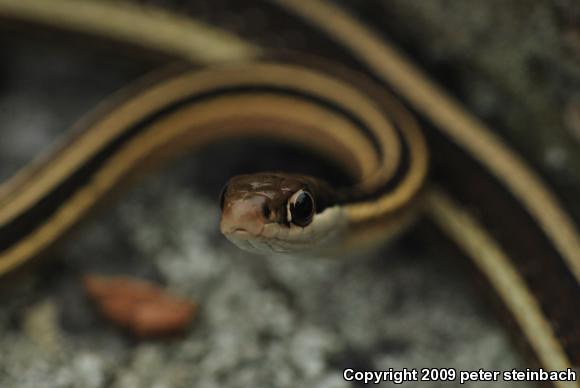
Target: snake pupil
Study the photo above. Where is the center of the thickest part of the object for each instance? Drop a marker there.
(266, 211)
(223, 197)
(302, 209)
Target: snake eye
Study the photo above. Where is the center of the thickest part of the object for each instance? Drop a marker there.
(300, 208)
(223, 197)
(266, 211)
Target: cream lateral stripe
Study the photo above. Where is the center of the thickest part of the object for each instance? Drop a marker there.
(463, 128)
(167, 33)
(314, 126)
(291, 77)
(191, 127)
(504, 277)
(121, 21)
(361, 212)
(56, 152)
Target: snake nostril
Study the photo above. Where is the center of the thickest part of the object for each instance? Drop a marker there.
(266, 211)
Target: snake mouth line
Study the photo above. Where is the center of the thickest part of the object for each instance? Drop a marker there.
(242, 233)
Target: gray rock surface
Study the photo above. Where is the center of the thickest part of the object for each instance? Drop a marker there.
(263, 321)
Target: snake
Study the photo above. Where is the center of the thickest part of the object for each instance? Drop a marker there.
(343, 92)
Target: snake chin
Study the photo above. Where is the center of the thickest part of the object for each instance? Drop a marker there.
(321, 235)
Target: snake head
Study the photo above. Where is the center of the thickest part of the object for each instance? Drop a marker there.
(279, 212)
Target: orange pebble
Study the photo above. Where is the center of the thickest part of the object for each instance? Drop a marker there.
(143, 308)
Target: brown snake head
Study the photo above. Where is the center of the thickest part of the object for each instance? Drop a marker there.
(280, 212)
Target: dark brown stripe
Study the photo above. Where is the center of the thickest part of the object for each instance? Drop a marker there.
(24, 224)
(530, 251)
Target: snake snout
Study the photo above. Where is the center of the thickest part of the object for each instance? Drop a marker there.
(244, 217)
